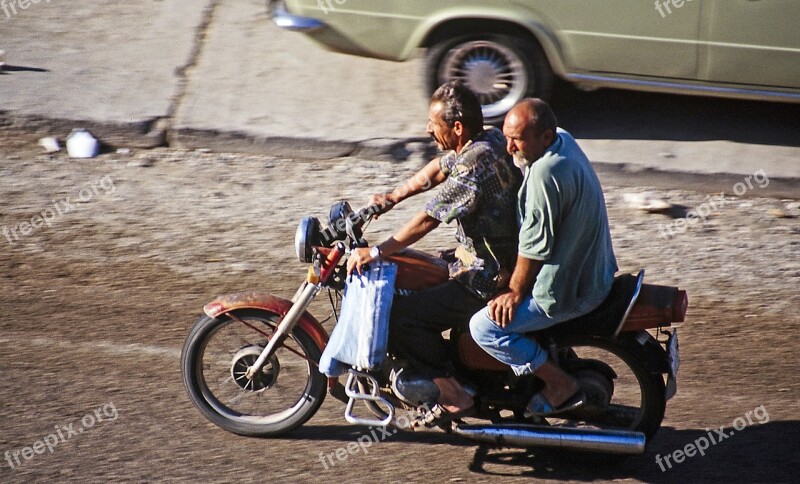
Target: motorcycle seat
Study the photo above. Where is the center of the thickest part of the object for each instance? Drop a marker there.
(606, 319)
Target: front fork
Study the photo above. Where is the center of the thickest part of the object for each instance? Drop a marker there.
(318, 274)
(285, 327)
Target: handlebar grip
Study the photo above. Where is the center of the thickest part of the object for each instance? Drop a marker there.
(366, 213)
(374, 209)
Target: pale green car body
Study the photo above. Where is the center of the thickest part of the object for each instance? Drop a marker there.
(731, 48)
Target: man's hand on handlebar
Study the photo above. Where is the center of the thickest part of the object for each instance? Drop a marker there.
(357, 259)
(386, 201)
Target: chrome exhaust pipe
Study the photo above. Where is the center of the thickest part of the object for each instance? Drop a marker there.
(521, 435)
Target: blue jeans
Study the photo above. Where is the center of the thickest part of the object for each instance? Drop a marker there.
(510, 345)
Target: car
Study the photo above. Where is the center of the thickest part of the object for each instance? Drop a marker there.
(505, 50)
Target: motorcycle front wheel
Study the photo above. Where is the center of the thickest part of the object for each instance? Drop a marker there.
(283, 396)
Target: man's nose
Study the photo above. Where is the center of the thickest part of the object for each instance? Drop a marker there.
(511, 147)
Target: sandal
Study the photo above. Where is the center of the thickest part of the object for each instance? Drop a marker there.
(539, 406)
(439, 416)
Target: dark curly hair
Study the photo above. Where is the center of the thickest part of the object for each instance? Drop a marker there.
(460, 104)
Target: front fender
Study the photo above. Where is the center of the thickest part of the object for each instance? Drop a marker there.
(267, 302)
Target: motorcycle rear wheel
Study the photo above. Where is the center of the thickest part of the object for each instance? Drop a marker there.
(285, 395)
(637, 400)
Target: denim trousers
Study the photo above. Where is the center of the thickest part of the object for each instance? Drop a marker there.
(510, 345)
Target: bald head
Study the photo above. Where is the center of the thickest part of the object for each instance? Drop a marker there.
(529, 128)
(533, 113)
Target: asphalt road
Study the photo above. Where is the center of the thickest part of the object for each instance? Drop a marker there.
(218, 74)
(96, 305)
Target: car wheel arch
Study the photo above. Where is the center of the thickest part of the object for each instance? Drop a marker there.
(445, 28)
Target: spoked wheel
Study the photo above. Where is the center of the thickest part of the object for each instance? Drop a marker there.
(622, 393)
(284, 395)
(501, 70)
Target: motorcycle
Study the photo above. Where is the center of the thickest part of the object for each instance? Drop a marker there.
(250, 364)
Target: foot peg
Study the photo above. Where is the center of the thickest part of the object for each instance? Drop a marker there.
(363, 386)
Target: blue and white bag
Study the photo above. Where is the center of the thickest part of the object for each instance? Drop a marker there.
(361, 335)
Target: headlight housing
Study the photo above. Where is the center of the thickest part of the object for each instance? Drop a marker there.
(306, 237)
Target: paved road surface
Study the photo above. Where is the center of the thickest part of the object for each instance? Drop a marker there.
(95, 308)
(218, 74)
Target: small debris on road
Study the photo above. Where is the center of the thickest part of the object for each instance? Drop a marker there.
(50, 144)
(647, 202)
(780, 213)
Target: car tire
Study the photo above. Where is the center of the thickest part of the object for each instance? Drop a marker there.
(482, 60)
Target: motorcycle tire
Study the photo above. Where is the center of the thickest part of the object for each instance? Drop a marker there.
(652, 402)
(293, 406)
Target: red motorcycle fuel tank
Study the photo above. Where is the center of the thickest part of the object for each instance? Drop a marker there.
(417, 270)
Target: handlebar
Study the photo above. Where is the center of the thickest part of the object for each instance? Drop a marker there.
(372, 211)
(345, 222)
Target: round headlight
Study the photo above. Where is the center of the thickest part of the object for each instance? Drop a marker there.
(306, 237)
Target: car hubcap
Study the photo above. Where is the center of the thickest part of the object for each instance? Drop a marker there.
(495, 73)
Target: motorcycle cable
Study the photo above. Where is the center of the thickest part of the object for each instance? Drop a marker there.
(333, 314)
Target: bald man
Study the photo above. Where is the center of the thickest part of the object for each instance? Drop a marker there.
(565, 262)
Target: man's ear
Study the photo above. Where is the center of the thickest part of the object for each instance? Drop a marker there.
(549, 136)
(458, 128)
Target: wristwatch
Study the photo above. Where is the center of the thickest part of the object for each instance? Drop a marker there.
(375, 252)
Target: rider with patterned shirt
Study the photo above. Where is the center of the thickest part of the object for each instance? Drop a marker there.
(479, 186)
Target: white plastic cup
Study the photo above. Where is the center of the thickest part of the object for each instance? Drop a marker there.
(81, 144)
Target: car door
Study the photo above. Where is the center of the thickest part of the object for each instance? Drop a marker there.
(625, 36)
(751, 42)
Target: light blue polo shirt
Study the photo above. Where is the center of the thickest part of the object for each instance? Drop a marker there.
(563, 222)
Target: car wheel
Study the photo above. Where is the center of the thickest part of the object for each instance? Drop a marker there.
(499, 69)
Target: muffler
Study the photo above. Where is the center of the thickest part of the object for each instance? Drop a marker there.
(521, 435)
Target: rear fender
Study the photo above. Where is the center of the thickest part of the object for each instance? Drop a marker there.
(655, 307)
(647, 349)
(266, 302)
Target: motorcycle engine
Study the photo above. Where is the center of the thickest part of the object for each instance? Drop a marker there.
(413, 389)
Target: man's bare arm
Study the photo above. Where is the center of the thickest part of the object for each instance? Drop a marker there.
(412, 231)
(428, 177)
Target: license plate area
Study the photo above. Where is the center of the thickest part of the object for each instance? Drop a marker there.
(673, 354)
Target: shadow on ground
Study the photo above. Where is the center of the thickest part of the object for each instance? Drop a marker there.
(9, 68)
(618, 114)
(351, 433)
(760, 453)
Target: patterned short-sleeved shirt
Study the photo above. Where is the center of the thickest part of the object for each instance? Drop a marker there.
(480, 194)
